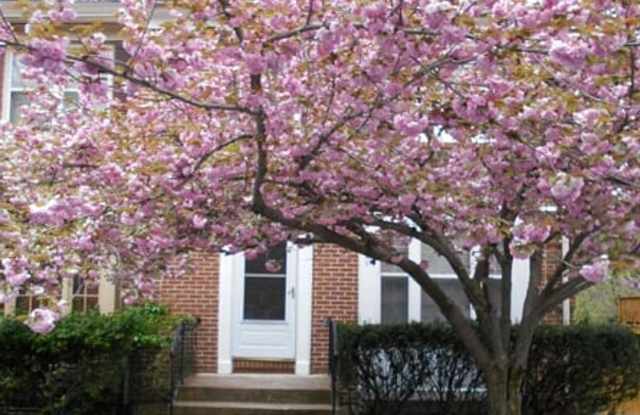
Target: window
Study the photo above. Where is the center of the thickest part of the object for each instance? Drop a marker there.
(16, 95)
(265, 287)
(25, 302)
(452, 287)
(395, 300)
(81, 296)
(85, 295)
(19, 88)
(438, 264)
(394, 292)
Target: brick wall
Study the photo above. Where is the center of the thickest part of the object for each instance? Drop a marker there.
(335, 295)
(549, 259)
(197, 294)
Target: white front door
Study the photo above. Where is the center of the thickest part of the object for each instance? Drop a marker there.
(264, 305)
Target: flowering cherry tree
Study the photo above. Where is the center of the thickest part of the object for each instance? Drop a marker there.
(500, 125)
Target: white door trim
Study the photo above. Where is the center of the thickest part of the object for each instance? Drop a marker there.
(304, 302)
(303, 321)
(225, 300)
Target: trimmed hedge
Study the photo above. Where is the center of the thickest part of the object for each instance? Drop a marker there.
(79, 367)
(424, 368)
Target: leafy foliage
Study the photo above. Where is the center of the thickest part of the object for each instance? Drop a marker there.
(78, 368)
(580, 369)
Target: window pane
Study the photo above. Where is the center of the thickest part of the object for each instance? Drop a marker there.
(70, 100)
(23, 305)
(77, 305)
(277, 253)
(438, 264)
(18, 100)
(92, 303)
(453, 289)
(390, 268)
(395, 300)
(16, 73)
(264, 298)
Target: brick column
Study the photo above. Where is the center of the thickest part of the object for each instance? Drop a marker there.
(547, 261)
(196, 294)
(335, 295)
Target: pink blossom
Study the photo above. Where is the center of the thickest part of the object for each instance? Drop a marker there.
(42, 320)
(567, 188)
(532, 233)
(595, 272)
(199, 221)
(273, 265)
(567, 54)
(589, 117)
(255, 63)
(47, 54)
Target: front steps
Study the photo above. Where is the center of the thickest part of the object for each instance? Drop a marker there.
(253, 395)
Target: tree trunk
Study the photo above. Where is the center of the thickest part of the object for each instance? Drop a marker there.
(504, 389)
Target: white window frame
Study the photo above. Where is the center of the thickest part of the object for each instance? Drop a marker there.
(107, 297)
(370, 282)
(107, 290)
(9, 88)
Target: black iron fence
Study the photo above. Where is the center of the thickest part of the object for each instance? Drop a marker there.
(144, 382)
(333, 362)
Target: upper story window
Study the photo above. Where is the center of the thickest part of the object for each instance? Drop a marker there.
(17, 95)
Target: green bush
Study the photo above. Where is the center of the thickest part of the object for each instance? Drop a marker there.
(424, 368)
(78, 368)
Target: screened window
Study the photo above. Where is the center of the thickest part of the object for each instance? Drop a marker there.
(265, 285)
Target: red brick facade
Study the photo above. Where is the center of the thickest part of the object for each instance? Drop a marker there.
(335, 296)
(549, 260)
(196, 294)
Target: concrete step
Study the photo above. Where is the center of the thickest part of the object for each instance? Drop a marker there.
(263, 395)
(247, 408)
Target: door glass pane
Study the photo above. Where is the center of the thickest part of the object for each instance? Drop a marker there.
(453, 289)
(395, 300)
(264, 298)
(276, 254)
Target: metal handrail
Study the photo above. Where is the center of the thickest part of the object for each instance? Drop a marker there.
(177, 356)
(333, 362)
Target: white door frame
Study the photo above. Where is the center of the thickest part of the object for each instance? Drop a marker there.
(230, 274)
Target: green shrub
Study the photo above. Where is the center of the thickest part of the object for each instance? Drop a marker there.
(424, 367)
(78, 368)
